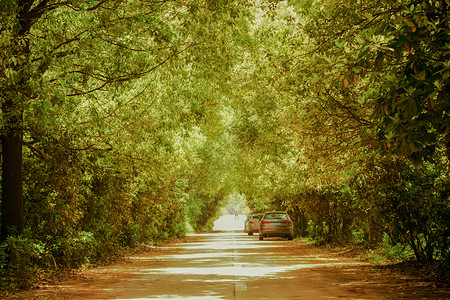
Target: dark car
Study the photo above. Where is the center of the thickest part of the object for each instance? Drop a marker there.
(276, 223)
(252, 225)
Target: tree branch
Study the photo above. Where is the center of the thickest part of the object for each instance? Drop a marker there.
(129, 77)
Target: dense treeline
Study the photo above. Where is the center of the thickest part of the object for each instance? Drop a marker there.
(135, 120)
(353, 137)
(113, 108)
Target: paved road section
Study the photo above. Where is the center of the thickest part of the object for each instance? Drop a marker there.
(231, 265)
(216, 265)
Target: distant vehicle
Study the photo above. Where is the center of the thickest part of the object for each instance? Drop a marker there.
(246, 223)
(252, 223)
(276, 223)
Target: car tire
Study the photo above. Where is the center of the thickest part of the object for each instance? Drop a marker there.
(290, 237)
(250, 233)
(261, 237)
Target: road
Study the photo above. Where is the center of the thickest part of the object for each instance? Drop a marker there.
(228, 264)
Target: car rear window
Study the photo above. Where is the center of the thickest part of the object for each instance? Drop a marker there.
(276, 216)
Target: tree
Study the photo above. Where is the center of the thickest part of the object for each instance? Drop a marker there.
(387, 58)
(71, 54)
(342, 90)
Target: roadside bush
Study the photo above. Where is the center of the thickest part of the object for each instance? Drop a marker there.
(387, 250)
(79, 211)
(327, 215)
(20, 261)
(202, 214)
(418, 212)
(412, 204)
(72, 252)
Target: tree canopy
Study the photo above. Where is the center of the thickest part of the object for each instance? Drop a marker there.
(125, 122)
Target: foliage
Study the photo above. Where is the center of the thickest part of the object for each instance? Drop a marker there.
(19, 258)
(117, 101)
(412, 205)
(237, 204)
(141, 119)
(352, 84)
(384, 64)
(388, 251)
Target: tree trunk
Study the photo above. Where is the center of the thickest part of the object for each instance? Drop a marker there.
(12, 214)
(302, 224)
(12, 200)
(374, 230)
(347, 221)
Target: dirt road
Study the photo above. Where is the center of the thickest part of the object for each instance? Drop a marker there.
(232, 265)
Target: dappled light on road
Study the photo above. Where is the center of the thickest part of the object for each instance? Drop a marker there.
(219, 265)
(226, 265)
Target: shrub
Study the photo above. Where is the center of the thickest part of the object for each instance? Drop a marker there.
(20, 261)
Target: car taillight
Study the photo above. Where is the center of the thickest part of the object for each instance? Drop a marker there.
(287, 222)
(264, 222)
(251, 222)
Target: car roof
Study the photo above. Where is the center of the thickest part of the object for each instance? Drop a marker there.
(276, 212)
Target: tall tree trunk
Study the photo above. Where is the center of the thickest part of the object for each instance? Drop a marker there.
(12, 214)
(12, 199)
